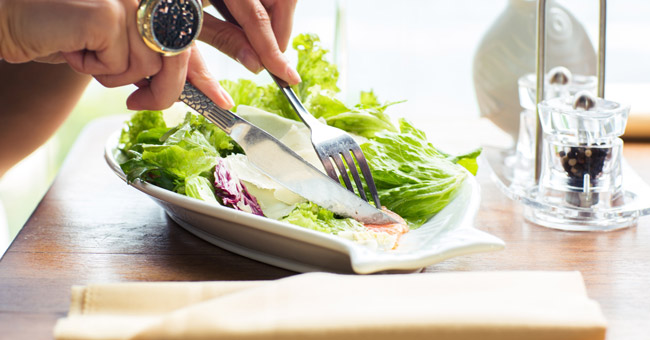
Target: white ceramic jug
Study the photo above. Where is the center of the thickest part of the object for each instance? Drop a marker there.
(508, 51)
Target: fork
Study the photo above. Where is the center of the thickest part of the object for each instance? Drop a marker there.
(334, 145)
(330, 143)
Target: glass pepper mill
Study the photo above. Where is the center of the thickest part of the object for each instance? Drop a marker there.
(582, 163)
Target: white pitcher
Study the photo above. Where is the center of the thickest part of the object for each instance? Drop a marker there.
(508, 51)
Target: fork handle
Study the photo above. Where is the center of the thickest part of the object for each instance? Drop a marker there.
(295, 102)
(302, 112)
(222, 8)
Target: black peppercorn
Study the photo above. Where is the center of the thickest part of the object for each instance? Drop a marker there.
(174, 23)
(582, 160)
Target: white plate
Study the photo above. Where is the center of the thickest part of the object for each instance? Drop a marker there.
(448, 234)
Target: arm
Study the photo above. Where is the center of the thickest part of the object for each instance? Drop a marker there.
(35, 98)
(100, 38)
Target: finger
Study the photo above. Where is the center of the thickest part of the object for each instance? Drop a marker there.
(165, 87)
(230, 40)
(256, 23)
(54, 58)
(142, 61)
(199, 76)
(281, 12)
(142, 82)
(142, 64)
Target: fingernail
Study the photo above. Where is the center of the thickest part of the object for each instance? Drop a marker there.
(292, 74)
(226, 96)
(248, 58)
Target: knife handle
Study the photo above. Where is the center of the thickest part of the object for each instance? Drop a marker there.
(222, 8)
(198, 101)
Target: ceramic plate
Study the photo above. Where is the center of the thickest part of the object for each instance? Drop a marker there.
(448, 234)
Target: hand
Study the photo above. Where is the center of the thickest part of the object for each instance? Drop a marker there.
(195, 71)
(262, 38)
(100, 38)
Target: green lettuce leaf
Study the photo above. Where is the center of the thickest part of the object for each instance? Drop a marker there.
(141, 121)
(136, 168)
(196, 131)
(151, 136)
(312, 66)
(312, 216)
(178, 160)
(200, 187)
(317, 91)
(266, 97)
(174, 158)
(468, 160)
(413, 178)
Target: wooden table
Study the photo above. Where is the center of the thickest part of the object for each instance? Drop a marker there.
(91, 227)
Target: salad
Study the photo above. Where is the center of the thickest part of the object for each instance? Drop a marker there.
(195, 158)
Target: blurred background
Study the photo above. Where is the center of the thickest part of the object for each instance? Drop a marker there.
(420, 51)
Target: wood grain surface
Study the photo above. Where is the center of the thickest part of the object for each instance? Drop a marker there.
(91, 227)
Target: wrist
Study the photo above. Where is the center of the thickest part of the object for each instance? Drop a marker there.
(14, 15)
(6, 41)
(3, 27)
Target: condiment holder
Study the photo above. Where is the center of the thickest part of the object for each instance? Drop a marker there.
(568, 168)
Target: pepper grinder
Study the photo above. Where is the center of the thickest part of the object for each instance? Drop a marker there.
(581, 163)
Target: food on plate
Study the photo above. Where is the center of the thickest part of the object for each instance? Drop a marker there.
(195, 158)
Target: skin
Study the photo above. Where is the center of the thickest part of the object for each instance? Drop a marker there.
(262, 38)
(52, 48)
(29, 121)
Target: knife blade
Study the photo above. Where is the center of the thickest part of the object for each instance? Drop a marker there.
(282, 164)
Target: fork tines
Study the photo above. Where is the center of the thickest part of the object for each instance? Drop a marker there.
(353, 153)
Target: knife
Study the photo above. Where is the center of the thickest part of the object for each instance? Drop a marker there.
(282, 164)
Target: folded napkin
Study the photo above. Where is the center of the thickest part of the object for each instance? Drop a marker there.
(465, 305)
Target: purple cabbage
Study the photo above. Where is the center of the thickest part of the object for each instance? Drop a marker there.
(233, 192)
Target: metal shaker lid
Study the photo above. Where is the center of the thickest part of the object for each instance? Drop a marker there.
(584, 117)
(559, 82)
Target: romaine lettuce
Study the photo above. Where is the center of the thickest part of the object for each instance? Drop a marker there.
(413, 178)
(140, 122)
(311, 216)
(312, 66)
(317, 91)
(172, 158)
(200, 187)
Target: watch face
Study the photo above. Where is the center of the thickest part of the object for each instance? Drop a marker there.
(175, 23)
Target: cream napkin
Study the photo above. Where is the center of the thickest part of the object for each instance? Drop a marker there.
(465, 305)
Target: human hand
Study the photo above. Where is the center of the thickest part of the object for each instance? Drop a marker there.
(100, 38)
(260, 37)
